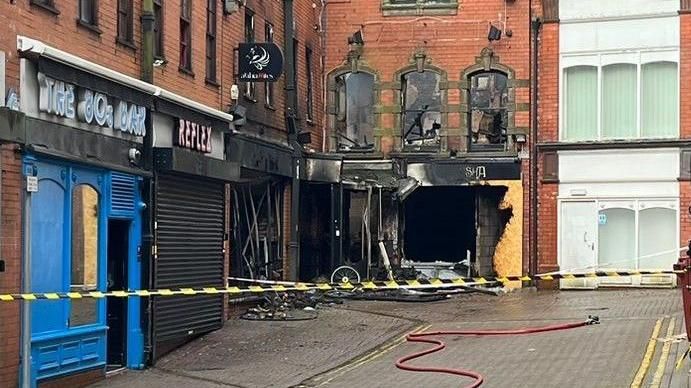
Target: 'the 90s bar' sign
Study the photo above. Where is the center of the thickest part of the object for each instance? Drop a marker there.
(192, 136)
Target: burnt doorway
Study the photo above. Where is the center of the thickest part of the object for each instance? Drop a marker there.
(439, 224)
(316, 237)
(118, 245)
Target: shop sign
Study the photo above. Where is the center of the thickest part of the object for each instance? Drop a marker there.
(260, 62)
(192, 136)
(69, 101)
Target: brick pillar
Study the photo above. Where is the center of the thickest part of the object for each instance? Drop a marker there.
(11, 248)
(684, 108)
(548, 119)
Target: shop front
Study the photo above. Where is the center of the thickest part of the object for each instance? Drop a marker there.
(190, 199)
(619, 210)
(81, 146)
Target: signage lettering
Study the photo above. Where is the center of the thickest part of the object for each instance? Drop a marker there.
(475, 172)
(58, 98)
(193, 136)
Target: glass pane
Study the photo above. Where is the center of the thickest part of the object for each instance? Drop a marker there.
(619, 93)
(657, 238)
(580, 99)
(422, 102)
(84, 269)
(659, 100)
(616, 238)
(356, 102)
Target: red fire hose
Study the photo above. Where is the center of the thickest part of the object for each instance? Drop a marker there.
(439, 345)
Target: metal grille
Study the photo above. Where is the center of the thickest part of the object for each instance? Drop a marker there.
(189, 238)
(122, 193)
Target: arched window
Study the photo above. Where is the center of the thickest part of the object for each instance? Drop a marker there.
(354, 111)
(488, 111)
(421, 114)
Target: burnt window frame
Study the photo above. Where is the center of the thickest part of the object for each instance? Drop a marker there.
(405, 129)
(503, 143)
(269, 91)
(159, 26)
(125, 23)
(48, 5)
(185, 57)
(85, 22)
(338, 111)
(250, 23)
(211, 42)
(309, 102)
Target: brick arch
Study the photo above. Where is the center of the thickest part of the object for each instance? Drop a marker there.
(331, 101)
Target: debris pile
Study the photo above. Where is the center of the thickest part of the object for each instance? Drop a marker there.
(290, 306)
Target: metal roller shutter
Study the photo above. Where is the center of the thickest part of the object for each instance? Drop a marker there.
(189, 238)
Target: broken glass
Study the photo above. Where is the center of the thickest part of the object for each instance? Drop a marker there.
(422, 108)
(354, 111)
(488, 113)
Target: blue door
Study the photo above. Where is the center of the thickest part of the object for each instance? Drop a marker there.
(68, 252)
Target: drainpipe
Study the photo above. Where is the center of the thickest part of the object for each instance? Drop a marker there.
(535, 24)
(26, 364)
(290, 115)
(147, 65)
(147, 75)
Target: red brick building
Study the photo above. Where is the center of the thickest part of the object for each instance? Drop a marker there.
(613, 138)
(131, 106)
(428, 107)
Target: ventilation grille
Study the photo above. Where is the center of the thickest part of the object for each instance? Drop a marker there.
(122, 197)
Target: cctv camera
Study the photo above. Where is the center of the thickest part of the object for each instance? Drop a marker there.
(134, 155)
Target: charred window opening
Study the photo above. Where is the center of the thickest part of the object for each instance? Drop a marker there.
(446, 226)
(257, 248)
(315, 231)
(488, 111)
(421, 116)
(354, 111)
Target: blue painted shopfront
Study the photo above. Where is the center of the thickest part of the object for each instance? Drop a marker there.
(69, 238)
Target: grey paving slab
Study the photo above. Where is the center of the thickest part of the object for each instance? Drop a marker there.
(336, 350)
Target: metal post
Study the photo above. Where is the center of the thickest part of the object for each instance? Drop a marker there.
(26, 288)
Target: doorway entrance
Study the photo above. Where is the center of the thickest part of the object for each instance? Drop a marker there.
(118, 245)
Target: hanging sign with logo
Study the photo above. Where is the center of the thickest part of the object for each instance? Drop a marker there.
(75, 103)
(259, 62)
(192, 136)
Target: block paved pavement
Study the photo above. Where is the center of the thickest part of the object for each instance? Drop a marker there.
(358, 343)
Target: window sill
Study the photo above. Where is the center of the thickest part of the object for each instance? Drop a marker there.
(310, 121)
(212, 82)
(46, 7)
(448, 9)
(127, 43)
(249, 99)
(91, 27)
(186, 71)
(269, 107)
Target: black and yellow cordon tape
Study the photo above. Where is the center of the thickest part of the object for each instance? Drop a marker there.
(301, 287)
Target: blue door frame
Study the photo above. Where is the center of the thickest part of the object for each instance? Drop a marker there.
(56, 348)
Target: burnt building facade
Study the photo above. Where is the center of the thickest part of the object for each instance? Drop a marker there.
(427, 116)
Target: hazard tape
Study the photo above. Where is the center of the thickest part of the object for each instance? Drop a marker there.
(301, 287)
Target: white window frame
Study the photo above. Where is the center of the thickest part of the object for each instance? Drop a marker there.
(599, 59)
(637, 208)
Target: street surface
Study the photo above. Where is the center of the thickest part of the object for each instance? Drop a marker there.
(357, 344)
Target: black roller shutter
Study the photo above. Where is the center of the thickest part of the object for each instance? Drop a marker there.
(189, 237)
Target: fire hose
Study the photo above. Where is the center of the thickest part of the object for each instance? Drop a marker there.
(439, 345)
